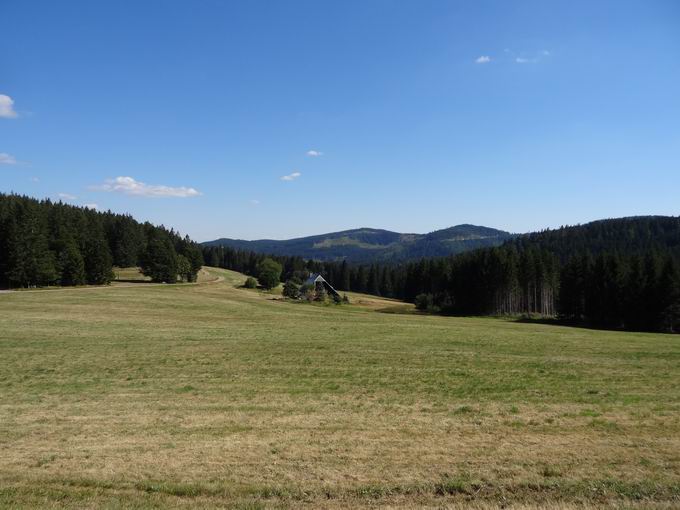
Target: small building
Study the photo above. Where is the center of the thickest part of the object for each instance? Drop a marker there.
(319, 282)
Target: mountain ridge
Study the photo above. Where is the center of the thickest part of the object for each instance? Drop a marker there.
(366, 244)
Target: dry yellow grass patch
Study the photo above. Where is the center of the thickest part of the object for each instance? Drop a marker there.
(215, 396)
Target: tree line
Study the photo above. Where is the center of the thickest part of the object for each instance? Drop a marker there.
(51, 243)
(619, 274)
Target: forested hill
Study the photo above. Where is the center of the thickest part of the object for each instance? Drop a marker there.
(366, 245)
(619, 274)
(635, 235)
(46, 243)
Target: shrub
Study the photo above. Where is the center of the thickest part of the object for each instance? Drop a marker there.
(251, 283)
(321, 295)
(307, 292)
(291, 290)
(424, 302)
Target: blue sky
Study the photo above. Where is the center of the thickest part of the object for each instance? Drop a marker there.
(422, 114)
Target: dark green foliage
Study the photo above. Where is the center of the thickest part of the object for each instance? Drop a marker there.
(344, 280)
(98, 261)
(193, 255)
(307, 292)
(269, 273)
(184, 268)
(44, 243)
(251, 283)
(321, 295)
(126, 241)
(424, 302)
(70, 264)
(619, 274)
(159, 261)
(291, 290)
(30, 261)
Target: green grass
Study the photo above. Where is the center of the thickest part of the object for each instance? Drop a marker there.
(211, 395)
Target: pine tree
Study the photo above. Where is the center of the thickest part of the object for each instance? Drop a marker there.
(373, 281)
(184, 269)
(70, 264)
(31, 263)
(669, 298)
(344, 277)
(159, 261)
(98, 260)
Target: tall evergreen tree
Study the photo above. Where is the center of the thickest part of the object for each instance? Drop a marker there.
(159, 260)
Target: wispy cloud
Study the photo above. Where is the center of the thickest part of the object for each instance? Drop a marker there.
(484, 59)
(67, 196)
(7, 159)
(254, 202)
(91, 206)
(7, 107)
(291, 177)
(130, 186)
(314, 153)
(532, 58)
(35, 179)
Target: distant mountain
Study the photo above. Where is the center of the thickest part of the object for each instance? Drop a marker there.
(365, 245)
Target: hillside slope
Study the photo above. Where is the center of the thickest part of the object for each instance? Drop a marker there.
(634, 235)
(214, 396)
(375, 245)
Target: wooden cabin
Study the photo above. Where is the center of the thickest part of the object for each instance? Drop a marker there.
(319, 282)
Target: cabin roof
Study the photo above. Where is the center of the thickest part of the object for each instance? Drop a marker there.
(316, 277)
(313, 278)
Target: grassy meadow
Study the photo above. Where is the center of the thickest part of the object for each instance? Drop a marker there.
(209, 395)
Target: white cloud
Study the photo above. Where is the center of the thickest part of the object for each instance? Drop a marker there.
(7, 107)
(314, 153)
(7, 159)
(484, 59)
(35, 179)
(67, 196)
(130, 186)
(291, 177)
(254, 202)
(91, 206)
(535, 59)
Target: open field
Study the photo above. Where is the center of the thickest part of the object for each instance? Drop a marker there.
(215, 396)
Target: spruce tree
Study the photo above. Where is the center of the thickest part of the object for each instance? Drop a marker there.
(70, 264)
(159, 261)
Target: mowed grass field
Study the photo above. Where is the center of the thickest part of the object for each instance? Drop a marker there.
(202, 396)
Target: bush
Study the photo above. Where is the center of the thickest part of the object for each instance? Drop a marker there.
(251, 283)
(321, 295)
(307, 292)
(424, 302)
(291, 290)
